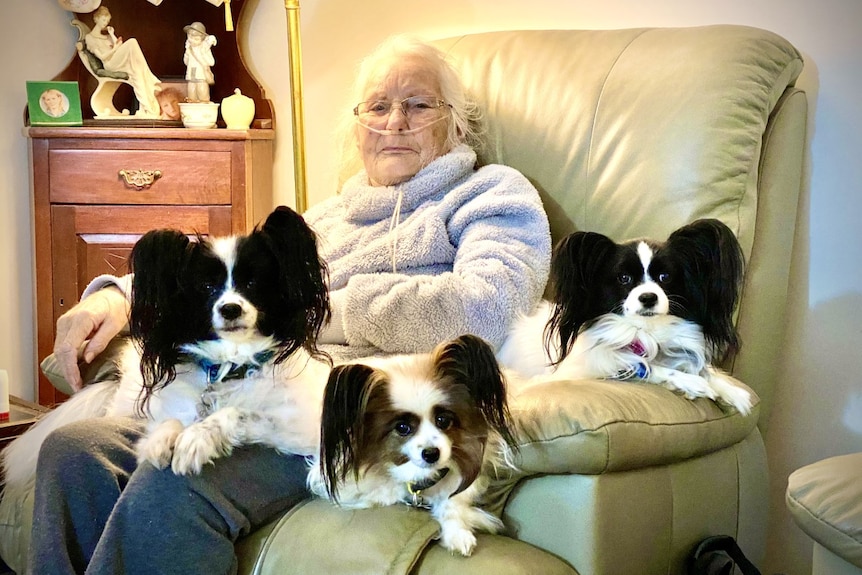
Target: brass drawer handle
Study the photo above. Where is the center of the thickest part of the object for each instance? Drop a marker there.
(140, 179)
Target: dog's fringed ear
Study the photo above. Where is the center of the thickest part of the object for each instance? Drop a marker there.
(712, 259)
(341, 427)
(303, 273)
(157, 260)
(469, 361)
(574, 264)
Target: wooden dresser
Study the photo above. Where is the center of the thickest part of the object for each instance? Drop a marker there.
(97, 190)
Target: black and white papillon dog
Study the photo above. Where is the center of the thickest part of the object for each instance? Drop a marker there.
(661, 312)
(417, 429)
(223, 349)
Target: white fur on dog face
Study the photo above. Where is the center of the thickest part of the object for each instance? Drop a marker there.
(243, 326)
(419, 396)
(633, 304)
(225, 249)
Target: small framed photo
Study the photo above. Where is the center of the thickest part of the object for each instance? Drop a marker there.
(54, 104)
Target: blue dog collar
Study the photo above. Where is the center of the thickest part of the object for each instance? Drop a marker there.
(218, 372)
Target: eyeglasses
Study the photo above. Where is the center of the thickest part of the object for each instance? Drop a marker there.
(417, 109)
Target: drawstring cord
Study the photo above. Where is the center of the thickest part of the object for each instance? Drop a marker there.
(393, 226)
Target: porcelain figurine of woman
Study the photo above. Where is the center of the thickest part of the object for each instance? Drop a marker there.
(126, 56)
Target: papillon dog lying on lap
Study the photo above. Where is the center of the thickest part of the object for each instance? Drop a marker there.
(660, 312)
(417, 429)
(222, 354)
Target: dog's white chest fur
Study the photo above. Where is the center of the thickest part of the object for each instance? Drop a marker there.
(277, 405)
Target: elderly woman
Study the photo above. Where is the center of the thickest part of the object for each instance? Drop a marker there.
(123, 56)
(421, 246)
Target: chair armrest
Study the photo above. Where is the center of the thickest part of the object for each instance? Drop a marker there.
(103, 366)
(599, 426)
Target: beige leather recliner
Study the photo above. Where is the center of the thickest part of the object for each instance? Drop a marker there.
(629, 133)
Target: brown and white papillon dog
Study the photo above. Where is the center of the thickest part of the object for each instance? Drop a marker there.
(660, 312)
(417, 429)
(222, 354)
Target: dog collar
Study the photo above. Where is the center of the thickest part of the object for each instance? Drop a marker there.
(639, 370)
(415, 488)
(218, 372)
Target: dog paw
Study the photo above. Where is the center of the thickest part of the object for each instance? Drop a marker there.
(157, 447)
(691, 386)
(739, 398)
(458, 540)
(196, 446)
(730, 392)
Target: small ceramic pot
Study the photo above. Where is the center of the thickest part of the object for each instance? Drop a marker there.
(237, 111)
(199, 115)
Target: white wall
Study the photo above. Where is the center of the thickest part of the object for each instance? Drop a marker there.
(819, 407)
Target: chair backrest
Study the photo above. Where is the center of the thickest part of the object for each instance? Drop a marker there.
(636, 132)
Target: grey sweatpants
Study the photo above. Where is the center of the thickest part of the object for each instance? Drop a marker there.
(97, 511)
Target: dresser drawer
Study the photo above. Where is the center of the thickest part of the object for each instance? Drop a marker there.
(177, 176)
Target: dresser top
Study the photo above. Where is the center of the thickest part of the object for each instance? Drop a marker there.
(87, 132)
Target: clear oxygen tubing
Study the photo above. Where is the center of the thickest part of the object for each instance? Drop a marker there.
(400, 132)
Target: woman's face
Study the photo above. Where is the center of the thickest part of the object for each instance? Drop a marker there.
(170, 108)
(53, 101)
(102, 18)
(392, 159)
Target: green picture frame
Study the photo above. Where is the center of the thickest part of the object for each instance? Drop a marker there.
(54, 103)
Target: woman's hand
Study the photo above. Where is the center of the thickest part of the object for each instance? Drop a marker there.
(99, 317)
(115, 40)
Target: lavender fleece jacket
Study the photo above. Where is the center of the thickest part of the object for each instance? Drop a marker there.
(471, 250)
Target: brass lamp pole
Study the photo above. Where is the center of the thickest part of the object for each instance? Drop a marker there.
(295, 66)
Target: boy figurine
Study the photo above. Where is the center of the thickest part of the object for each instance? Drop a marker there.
(199, 60)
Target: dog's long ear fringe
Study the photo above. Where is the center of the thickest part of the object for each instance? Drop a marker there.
(304, 273)
(341, 426)
(470, 360)
(157, 260)
(713, 259)
(574, 263)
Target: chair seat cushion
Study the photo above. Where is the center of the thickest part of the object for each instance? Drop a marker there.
(825, 500)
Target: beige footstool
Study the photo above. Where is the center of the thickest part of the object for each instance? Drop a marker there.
(825, 499)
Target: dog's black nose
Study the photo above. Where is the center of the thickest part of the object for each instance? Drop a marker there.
(230, 311)
(648, 299)
(430, 454)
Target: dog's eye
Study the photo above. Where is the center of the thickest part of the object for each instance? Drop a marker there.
(444, 420)
(663, 278)
(403, 428)
(624, 279)
(209, 287)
